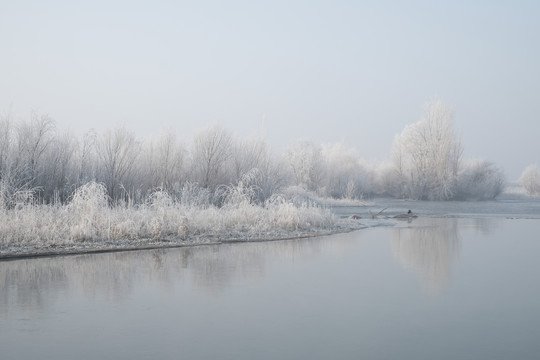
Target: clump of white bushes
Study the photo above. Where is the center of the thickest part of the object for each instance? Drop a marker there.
(479, 180)
(90, 218)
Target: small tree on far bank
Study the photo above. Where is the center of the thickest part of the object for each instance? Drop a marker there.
(118, 150)
(210, 153)
(345, 177)
(305, 161)
(530, 180)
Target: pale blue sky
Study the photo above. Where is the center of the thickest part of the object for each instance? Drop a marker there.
(325, 71)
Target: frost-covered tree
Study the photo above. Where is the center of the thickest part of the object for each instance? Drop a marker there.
(86, 159)
(273, 177)
(56, 172)
(386, 181)
(6, 141)
(34, 137)
(344, 175)
(397, 179)
(246, 155)
(530, 180)
(6, 160)
(210, 153)
(118, 150)
(162, 163)
(306, 163)
(23, 156)
(255, 166)
(427, 155)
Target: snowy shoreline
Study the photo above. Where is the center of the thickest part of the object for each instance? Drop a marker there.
(107, 246)
(87, 224)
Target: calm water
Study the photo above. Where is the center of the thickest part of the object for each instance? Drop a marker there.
(436, 288)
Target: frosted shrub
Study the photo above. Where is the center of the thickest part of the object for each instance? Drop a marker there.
(156, 227)
(160, 199)
(480, 180)
(34, 224)
(162, 212)
(183, 229)
(530, 180)
(3, 196)
(284, 214)
(235, 196)
(126, 229)
(90, 197)
(23, 198)
(193, 195)
(297, 196)
(88, 210)
(15, 196)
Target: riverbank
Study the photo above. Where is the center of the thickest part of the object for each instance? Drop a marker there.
(14, 251)
(89, 225)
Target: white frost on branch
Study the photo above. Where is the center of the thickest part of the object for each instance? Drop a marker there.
(427, 155)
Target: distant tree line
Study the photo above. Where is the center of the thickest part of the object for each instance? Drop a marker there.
(38, 161)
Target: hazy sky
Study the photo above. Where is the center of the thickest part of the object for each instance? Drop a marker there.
(326, 71)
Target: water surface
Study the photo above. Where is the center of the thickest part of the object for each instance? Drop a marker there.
(435, 288)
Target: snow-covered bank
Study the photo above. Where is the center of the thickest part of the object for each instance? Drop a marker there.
(89, 224)
(65, 246)
(29, 251)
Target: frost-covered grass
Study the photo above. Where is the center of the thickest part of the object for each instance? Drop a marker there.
(88, 221)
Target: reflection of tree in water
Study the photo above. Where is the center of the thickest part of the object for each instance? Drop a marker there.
(24, 285)
(214, 268)
(429, 248)
(36, 284)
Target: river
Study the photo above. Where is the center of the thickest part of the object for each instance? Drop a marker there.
(451, 287)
